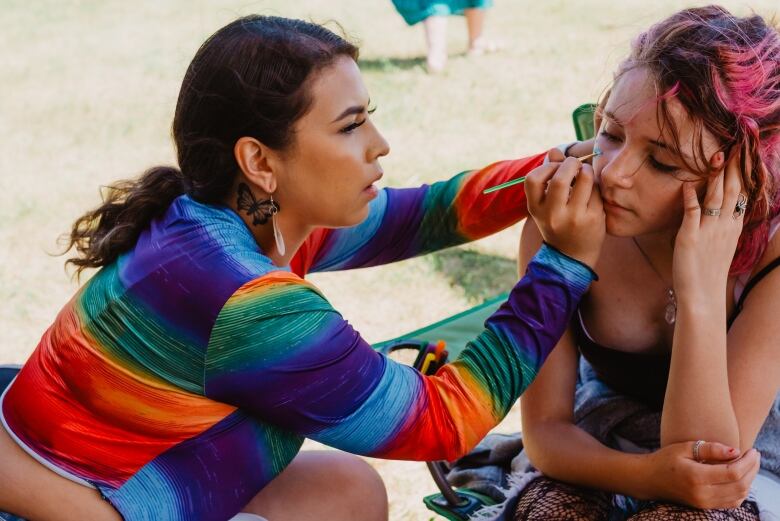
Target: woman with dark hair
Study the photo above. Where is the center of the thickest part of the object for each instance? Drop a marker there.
(679, 338)
(181, 379)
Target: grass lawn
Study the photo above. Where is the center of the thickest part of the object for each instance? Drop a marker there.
(88, 92)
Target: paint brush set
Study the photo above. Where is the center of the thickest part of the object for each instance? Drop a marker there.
(430, 359)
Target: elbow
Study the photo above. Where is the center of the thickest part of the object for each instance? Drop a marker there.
(460, 447)
(538, 454)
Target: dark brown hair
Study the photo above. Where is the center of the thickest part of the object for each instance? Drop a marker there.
(248, 79)
(725, 71)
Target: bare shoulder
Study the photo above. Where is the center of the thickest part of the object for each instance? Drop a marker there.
(771, 253)
(756, 321)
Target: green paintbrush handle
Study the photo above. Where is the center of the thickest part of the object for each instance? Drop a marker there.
(504, 185)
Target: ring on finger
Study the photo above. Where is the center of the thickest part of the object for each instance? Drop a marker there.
(714, 212)
(741, 207)
(696, 448)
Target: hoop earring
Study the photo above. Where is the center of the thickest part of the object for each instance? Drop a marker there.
(277, 232)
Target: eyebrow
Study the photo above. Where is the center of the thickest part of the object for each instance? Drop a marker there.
(356, 109)
(659, 144)
(611, 115)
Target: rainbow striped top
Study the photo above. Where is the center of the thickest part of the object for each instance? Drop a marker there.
(183, 377)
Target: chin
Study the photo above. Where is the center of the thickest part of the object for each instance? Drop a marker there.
(359, 218)
(623, 228)
(347, 221)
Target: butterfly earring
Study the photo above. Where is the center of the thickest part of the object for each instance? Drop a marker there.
(277, 233)
(260, 212)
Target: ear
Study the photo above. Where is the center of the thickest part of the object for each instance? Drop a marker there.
(257, 162)
(718, 160)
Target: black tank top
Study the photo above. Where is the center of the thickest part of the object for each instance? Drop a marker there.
(641, 376)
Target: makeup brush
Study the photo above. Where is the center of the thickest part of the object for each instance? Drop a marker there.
(596, 152)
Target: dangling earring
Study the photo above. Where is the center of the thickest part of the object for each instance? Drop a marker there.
(277, 232)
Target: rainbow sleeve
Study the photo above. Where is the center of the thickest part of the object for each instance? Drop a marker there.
(281, 352)
(407, 222)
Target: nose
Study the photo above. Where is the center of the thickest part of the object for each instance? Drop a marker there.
(379, 145)
(618, 168)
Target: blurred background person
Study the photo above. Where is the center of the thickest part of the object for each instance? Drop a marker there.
(433, 14)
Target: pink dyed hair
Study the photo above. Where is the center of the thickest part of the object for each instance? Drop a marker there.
(725, 71)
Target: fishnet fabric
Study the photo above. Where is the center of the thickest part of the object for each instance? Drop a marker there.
(547, 499)
(748, 511)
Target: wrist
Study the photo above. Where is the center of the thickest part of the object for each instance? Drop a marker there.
(579, 148)
(700, 305)
(642, 480)
(565, 149)
(586, 261)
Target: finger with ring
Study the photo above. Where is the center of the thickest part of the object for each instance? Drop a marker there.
(696, 448)
(741, 208)
(714, 212)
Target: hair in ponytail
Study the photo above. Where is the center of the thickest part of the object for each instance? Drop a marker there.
(248, 79)
(100, 235)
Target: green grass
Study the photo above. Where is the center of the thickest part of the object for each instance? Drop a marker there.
(88, 92)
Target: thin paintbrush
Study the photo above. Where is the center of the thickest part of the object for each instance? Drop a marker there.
(521, 179)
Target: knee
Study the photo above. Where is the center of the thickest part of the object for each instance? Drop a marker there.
(323, 485)
(358, 483)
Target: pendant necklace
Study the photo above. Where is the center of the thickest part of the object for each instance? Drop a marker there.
(670, 311)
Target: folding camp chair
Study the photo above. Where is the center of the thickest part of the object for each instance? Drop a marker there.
(444, 340)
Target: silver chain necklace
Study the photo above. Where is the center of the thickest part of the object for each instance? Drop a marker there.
(670, 311)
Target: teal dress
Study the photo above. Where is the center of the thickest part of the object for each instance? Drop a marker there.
(415, 11)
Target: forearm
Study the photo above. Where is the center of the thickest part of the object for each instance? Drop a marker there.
(565, 452)
(478, 389)
(698, 402)
(533, 319)
(407, 222)
(280, 351)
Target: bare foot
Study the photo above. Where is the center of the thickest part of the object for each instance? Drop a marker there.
(436, 62)
(482, 46)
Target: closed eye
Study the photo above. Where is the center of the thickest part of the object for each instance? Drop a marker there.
(661, 167)
(609, 137)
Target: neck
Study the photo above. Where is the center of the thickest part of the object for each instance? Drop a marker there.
(659, 249)
(294, 234)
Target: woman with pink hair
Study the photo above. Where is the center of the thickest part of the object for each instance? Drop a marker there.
(679, 337)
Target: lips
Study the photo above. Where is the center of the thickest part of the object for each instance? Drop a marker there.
(377, 178)
(612, 204)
